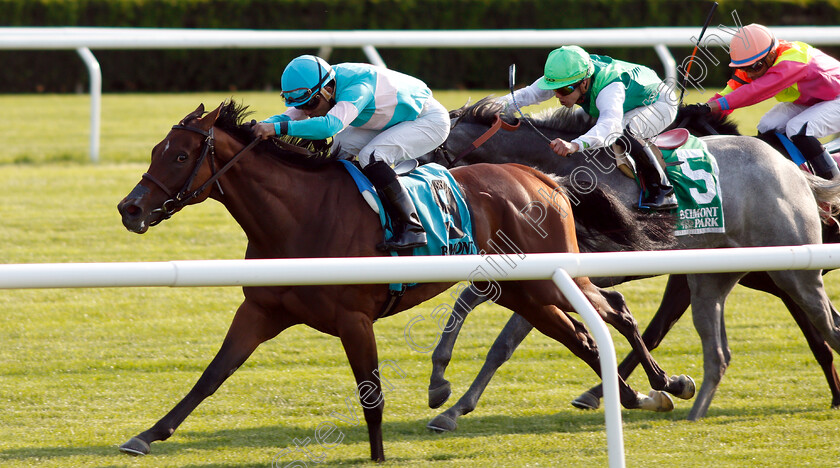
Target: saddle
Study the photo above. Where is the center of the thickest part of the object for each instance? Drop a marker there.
(667, 140)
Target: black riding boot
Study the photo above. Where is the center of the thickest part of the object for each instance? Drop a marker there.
(814, 152)
(408, 232)
(658, 194)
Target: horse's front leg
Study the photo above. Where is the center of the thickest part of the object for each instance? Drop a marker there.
(251, 326)
(506, 343)
(439, 387)
(708, 294)
(675, 301)
(356, 332)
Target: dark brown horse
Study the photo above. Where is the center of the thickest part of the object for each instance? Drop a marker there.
(295, 206)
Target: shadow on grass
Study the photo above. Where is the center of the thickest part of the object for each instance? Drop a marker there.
(283, 437)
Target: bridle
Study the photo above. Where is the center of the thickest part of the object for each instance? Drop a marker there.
(185, 195)
(443, 152)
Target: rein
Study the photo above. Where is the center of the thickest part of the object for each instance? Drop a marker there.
(494, 127)
(179, 200)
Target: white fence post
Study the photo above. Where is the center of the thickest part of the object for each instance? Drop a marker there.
(609, 364)
(95, 76)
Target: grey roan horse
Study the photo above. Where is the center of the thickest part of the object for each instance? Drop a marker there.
(758, 185)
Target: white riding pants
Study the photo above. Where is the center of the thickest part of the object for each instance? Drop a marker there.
(651, 120)
(405, 140)
(822, 118)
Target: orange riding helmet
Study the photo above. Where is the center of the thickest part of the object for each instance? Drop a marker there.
(750, 44)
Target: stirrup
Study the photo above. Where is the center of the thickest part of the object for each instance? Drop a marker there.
(664, 200)
(404, 242)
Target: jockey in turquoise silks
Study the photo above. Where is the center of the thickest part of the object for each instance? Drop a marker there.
(625, 98)
(804, 80)
(378, 115)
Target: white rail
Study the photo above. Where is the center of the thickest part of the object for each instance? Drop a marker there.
(80, 39)
(558, 267)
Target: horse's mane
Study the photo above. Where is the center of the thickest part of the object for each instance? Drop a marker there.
(484, 112)
(568, 120)
(232, 117)
(703, 125)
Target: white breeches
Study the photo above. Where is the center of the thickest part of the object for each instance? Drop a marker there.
(405, 140)
(822, 118)
(651, 120)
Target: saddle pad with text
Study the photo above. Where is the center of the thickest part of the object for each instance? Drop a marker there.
(693, 172)
(441, 206)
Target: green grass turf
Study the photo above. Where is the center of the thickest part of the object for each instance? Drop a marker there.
(83, 370)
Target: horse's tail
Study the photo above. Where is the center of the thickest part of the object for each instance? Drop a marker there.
(605, 224)
(826, 192)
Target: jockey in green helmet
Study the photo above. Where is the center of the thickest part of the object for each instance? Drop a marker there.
(379, 115)
(627, 101)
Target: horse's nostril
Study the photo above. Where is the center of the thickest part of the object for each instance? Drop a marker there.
(132, 210)
(129, 210)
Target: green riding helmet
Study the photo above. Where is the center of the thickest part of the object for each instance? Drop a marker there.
(565, 66)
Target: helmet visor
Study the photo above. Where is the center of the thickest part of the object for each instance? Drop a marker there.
(297, 96)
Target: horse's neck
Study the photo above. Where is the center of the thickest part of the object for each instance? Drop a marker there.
(272, 200)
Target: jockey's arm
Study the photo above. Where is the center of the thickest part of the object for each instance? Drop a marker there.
(528, 96)
(610, 104)
(777, 78)
(739, 78)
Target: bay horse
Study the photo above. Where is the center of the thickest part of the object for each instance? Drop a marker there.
(293, 202)
(758, 185)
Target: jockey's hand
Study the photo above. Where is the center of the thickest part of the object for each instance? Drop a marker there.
(263, 130)
(696, 109)
(563, 147)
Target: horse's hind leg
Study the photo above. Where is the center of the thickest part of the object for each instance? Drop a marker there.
(619, 316)
(806, 289)
(675, 301)
(439, 387)
(822, 352)
(557, 324)
(251, 326)
(508, 340)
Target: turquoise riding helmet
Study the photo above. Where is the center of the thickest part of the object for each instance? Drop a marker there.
(303, 78)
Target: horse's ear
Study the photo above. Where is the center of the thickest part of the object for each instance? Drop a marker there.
(209, 119)
(198, 112)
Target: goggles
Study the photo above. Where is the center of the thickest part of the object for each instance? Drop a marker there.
(755, 67)
(567, 90)
(310, 104)
(297, 97)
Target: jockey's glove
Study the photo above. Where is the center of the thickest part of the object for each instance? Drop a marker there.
(696, 109)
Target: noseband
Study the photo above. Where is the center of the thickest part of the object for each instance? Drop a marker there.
(184, 196)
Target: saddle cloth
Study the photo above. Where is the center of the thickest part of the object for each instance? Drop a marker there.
(693, 172)
(440, 204)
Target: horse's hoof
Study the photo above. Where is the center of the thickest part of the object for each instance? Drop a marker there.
(657, 401)
(439, 395)
(688, 387)
(442, 423)
(135, 447)
(586, 401)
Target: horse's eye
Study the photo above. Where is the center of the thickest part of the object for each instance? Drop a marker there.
(181, 158)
